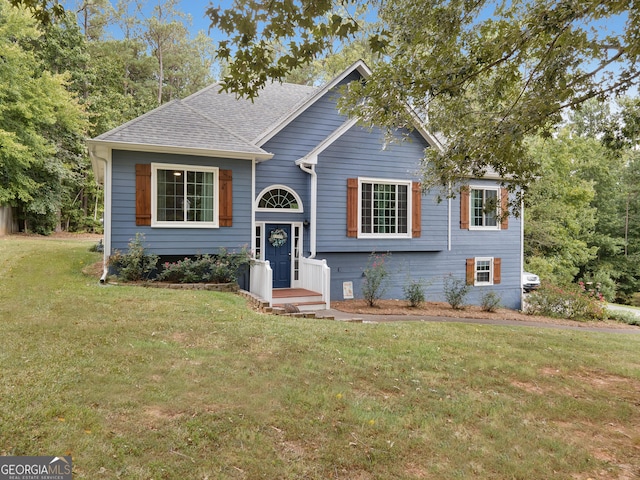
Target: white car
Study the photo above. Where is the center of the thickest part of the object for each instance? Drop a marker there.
(530, 281)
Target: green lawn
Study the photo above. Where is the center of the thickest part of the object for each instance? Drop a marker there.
(139, 383)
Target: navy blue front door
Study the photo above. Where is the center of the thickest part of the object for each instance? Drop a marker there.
(278, 252)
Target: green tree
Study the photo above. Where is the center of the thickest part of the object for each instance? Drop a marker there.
(489, 74)
(559, 217)
(41, 125)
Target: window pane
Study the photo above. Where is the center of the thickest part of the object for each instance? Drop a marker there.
(200, 196)
(491, 202)
(170, 195)
(366, 207)
(184, 195)
(477, 207)
(278, 198)
(384, 208)
(483, 271)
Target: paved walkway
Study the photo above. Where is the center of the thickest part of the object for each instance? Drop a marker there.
(344, 316)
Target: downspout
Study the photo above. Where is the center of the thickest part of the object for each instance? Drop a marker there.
(521, 253)
(106, 213)
(106, 221)
(449, 200)
(314, 193)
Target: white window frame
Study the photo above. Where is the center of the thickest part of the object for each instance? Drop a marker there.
(472, 210)
(184, 168)
(476, 261)
(300, 208)
(385, 181)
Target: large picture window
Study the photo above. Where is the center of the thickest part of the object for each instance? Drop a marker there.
(384, 208)
(185, 196)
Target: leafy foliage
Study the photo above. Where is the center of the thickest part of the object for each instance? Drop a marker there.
(490, 301)
(414, 292)
(375, 279)
(488, 74)
(136, 264)
(220, 268)
(573, 302)
(455, 291)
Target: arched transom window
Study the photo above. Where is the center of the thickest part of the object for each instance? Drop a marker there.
(279, 198)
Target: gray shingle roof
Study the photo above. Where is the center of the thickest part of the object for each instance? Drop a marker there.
(213, 120)
(247, 118)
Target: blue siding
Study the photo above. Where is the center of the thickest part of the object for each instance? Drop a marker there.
(360, 153)
(178, 241)
(433, 267)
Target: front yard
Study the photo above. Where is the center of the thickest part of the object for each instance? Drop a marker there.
(170, 384)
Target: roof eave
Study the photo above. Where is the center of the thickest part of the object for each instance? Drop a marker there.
(200, 152)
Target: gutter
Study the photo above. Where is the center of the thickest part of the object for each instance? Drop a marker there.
(310, 169)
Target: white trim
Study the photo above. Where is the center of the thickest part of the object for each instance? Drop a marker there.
(197, 152)
(185, 168)
(311, 158)
(386, 181)
(497, 189)
(300, 208)
(475, 271)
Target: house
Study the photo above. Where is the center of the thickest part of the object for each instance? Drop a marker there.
(308, 189)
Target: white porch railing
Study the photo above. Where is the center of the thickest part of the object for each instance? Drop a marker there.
(261, 282)
(315, 275)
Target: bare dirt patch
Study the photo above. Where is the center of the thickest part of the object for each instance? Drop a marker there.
(443, 309)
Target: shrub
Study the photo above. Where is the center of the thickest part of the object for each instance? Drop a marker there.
(572, 302)
(136, 264)
(490, 301)
(220, 268)
(414, 292)
(375, 274)
(455, 291)
(629, 318)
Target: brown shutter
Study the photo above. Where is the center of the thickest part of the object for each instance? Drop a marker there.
(143, 194)
(497, 275)
(416, 210)
(226, 198)
(464, 208)
(504, 207)
(352, 207)
(471, 271)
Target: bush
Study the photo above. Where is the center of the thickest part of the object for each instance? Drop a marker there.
(455, 291)
(490, 301)
(572, 302)
(375, 274)
(414, 292)
(220, 268)
(136, 264)
(624, 317)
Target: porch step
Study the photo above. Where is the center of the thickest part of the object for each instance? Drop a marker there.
(304, 300)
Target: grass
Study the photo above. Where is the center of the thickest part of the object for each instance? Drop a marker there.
(139, 383)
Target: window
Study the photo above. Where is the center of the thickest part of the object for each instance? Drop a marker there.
(483, 271)
(484, 207)
(184, 196)
(384, 208)
(279, 198)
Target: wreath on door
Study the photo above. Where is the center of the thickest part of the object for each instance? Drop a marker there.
(278, 237)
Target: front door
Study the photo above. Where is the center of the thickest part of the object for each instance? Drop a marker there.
(277, 247)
